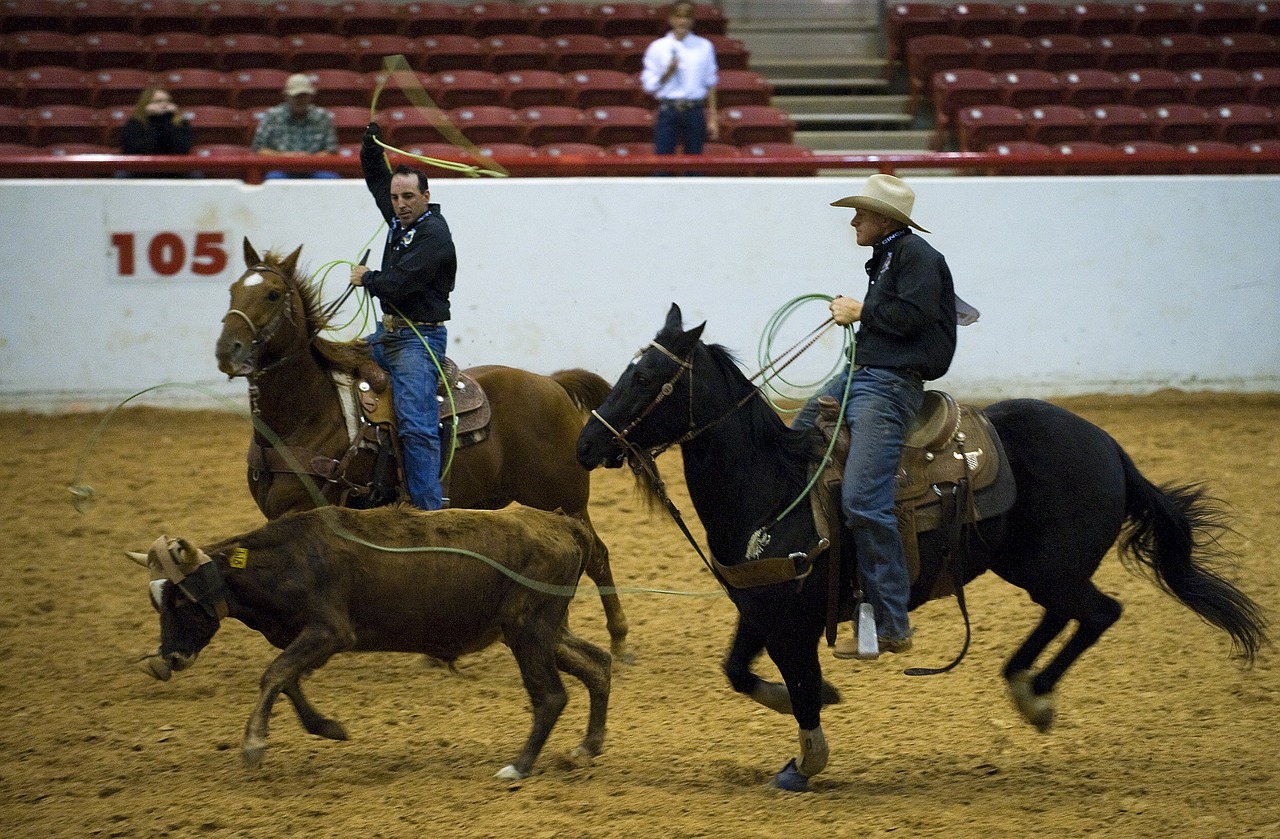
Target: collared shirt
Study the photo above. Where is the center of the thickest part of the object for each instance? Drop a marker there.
(695, 72)
(278, 131)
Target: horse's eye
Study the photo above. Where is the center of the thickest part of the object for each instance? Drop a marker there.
(642, 378)
(273, 296)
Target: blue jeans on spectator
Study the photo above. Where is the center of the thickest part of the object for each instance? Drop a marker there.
(881, 407)
(414, 379)
(280, 174)
(686, 128)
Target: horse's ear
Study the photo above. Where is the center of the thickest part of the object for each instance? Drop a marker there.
(675, 320)
(695, 334)
(251, 257)
(291, 262)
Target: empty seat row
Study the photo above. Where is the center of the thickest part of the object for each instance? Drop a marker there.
(1144, 157)
(904, 21)
(300, 52)
(982, 126)
(1238, 51)
(264, 86)
(358, 17)
(955, 90)
(538, 125)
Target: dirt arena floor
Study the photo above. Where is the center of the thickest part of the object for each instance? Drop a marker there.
(1159, 734)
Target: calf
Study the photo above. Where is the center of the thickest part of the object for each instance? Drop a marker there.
(444, 583)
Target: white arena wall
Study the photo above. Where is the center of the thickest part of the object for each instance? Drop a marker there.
(1086, 285)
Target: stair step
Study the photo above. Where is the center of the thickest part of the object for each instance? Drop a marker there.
(836, 104)
(862, 142)
(824, 67)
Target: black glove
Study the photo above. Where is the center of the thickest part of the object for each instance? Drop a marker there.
(371, 133)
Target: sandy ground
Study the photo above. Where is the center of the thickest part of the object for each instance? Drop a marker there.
(1159, 734)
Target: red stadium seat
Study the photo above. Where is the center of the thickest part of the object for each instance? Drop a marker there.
(904, 21)
(53, 124)
(1246, 50)
(349, 121)
(554, 124)
(342, 87)
(1090, 20)
(317, 50)
(258, 87)
(297, 17)
(393, 95)
(927, 54)
(460, 88)
(581, 52)
(629, 52)
(1261, 147)
(1213, 18)
(99, 50)
(731, 54)
(985, 125)
(118, 86)
(17, 149)
(1116, 124)
(1148, 147)
(756, 150)
(1031, 20)
(1110, 157)
(450, 52)
(612, 124)
(547, 20)
(995, 53)
(954, 90)
(1178, 51)
(29, 15)
(152, 16)
(515, 52)
(588, 150)
(368, 52)
(42, 48)
(242, 51)
(747, 124)
(1161, 18)
(11, 92)
(617, 20)
(1056, 53)
(1152, 86)
(54, 86)
(743, 87)
(484, 20)
(709, 19)
(1179, 122)
(510, 152)
(101, 16)
(488, 124)
(366, 17)
(174, 50)
(974, 20)
(1024, 88)
(1209, 86)
(195, 86)
(1053, 124)
(214, 124)
(225, 17)
(1245, 122)
(1264, 86)
(1091, 86)
(535, 87)
(15, 125)
(1121, 52)
(429, 19)
(1266, 17)
(65, 149)
(589, 88)
(631, 149)
(221, 150)
(1041, 153)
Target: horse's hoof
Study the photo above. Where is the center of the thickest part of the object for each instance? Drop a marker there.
(583, 756)
(252, 753)
(1035, 709)
(511, 773)
(790, 779)
(623, 655)
(330, 730)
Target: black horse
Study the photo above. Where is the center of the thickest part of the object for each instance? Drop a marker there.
(1077, 493)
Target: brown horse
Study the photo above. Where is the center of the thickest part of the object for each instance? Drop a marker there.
(271, 336)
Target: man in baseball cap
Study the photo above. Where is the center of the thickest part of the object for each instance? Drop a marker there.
(296, 127)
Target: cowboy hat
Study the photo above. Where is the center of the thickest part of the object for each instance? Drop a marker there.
(886, 195)
(299, 83)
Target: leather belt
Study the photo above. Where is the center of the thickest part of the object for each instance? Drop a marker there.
(682, 104)
(391, 322)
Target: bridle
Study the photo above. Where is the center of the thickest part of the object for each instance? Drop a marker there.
(260, 337)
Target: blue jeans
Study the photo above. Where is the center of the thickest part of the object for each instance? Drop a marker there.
(685, 128)
(882, 404)
(414, 379)
(280, 174)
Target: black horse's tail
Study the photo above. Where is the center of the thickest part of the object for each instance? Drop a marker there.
(1173, 537)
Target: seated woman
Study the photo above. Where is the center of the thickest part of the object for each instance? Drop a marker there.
(156, 127)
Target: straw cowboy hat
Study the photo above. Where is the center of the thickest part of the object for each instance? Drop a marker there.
(886, 195)
(299, 83)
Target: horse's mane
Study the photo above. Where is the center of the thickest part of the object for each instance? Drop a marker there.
(343, 356)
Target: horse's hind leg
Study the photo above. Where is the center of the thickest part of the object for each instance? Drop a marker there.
(602, 575)
(590, 665)
(1032, 693)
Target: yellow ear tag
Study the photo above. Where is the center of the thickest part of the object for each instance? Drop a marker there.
(239, 558)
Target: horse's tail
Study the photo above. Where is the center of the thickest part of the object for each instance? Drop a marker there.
(1173, 537)
(586, 389)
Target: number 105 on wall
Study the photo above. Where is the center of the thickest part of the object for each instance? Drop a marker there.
(167, 255)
